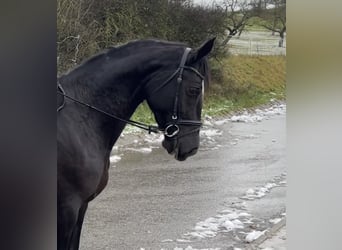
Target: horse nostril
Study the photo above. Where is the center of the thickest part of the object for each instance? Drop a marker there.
(193, 151)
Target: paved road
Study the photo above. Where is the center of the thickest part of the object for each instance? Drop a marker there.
(218, 199)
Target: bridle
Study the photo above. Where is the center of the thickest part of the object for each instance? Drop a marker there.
(172, 128)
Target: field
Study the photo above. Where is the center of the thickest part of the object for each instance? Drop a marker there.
(256, 43)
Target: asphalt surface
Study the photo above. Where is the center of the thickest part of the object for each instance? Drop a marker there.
(153, 201)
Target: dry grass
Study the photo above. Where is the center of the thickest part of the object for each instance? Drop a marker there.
(263, 73)
(246, 81)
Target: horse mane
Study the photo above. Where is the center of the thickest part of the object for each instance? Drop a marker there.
(124, 49)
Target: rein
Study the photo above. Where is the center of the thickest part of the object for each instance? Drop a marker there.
(149, 128)
(171, 129)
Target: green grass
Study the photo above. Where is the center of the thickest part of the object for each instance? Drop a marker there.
(238, 82)
(143, 114)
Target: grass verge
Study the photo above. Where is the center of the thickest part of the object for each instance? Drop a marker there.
(244, 82)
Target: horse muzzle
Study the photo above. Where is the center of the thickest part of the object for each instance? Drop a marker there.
(179, 145)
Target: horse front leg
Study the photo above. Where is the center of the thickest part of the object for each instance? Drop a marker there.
(67, 216)
(76, 234)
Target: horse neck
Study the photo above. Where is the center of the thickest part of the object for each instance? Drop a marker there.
(113, 94)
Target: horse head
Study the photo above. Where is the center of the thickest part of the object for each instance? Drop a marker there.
(176, 99)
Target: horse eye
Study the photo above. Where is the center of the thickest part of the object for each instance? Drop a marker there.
(194, 91)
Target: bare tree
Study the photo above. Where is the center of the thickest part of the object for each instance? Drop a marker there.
(237, 12)
(275, 19)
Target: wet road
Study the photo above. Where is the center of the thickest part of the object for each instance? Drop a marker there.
(233, 186)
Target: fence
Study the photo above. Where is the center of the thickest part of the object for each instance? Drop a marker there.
(257, 43)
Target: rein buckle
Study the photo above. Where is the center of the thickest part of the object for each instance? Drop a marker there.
(171, 130)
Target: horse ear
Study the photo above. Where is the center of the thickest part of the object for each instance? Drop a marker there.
(202, 51)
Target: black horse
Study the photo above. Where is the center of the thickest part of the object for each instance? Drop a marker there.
(95, 101)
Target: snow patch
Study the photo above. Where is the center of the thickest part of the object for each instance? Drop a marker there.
(167, 240)
(183, 240)
(191, 248)
(275, 220)
(114, 159)
(252, 236)
(225, 221)
(246, 118)
(259, 192)
(145, 150)
(221, 122)
(210, 132)
(259, 115)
